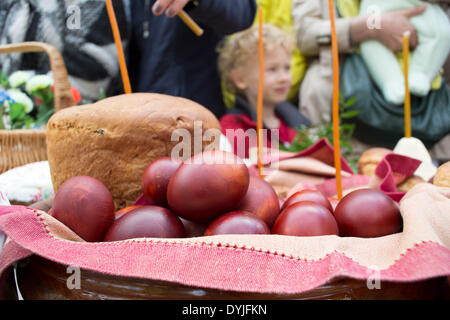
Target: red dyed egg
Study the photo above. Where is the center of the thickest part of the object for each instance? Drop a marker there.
(306, 218)
(209, 184)
(86, 206)
(125, 210)
(156, 179)
(367, 213)
(261, 200)
(308, 195)
(146, 222)
(237, 222)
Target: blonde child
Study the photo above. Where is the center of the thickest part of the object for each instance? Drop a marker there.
(239, 67)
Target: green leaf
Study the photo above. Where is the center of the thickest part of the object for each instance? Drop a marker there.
(4, 80)
(349, 114)
(2, 124)
(101, 94)
(43, 117)
(350, 102)
(16, 111)
(28, 121)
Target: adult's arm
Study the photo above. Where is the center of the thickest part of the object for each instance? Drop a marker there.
(393, 24)
(313, 30)
(224, 16)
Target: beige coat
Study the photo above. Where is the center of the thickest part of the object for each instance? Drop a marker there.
(312, 25)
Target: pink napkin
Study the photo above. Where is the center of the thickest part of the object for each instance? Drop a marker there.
(391, 171)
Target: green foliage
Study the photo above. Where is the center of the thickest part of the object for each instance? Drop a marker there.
(4, 83)
(18, 117)
(46, 107)
(101, 94)
(308, 136)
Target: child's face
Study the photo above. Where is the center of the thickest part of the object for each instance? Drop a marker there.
(277, 77)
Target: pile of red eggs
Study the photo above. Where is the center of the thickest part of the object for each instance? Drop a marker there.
(211, 194)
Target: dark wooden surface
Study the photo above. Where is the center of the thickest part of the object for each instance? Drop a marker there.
(40, 279)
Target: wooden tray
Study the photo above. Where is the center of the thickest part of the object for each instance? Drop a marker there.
(41, 279)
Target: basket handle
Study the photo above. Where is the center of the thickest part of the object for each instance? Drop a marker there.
(63, 93)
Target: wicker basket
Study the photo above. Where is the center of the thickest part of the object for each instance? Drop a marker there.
(19, 147)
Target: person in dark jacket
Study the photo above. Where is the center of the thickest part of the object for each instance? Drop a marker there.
(165, 56)
(80, 30)
(239, 66)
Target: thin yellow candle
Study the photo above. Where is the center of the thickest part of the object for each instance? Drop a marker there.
(259, 125)
(118, 41)
(407, 95)
(336, 140)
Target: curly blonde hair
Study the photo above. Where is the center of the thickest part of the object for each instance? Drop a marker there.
(237, 50)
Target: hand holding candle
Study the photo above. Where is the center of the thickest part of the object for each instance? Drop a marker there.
(173, 8)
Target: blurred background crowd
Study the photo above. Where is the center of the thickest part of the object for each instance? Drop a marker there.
(220, 68)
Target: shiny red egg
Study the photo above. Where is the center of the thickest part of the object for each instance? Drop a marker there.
(156, 179)
(208, 185)
(125, 210)
(261, 200)
(86, 206)
(367, 213)
(308, 195)
(146, 222)
(305, 218)
(237, 222)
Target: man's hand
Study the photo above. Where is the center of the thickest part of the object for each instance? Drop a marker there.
(394, 24)
(170, 7)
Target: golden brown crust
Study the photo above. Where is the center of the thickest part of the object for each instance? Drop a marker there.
(442, 176)
(370, 159)
(409, 183)
(115, 139)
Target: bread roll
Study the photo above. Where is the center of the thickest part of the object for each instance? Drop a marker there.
(442, 176)
(370, 159)
(409, 183)
(115, 139)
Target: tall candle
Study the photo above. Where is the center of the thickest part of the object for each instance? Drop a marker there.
(336, 140)
(118, 41)
(259, 125)
(407, 95)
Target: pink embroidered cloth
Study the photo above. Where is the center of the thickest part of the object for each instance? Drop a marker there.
(314, 168)
(260, 263)
(249, 263)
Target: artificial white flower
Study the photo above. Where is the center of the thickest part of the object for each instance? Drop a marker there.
(19, 77)
(38, 82)
(20, 97)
